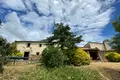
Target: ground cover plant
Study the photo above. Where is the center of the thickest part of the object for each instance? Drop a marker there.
(62, 73)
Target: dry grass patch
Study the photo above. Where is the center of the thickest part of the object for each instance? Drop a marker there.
(13, 72)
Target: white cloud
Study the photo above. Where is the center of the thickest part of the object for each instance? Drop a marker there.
(86, 17)
(14, 30)
(13, 4)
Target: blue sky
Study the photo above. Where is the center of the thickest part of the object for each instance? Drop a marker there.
(34, 19)
(109, 30)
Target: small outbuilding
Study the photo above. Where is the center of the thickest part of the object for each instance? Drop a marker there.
(97, 50)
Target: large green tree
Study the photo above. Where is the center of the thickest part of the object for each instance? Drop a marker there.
(63, 37)
(115, 41)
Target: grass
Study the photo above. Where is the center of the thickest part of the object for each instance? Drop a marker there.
(63, 73)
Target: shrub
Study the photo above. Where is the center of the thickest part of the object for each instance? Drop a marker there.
(113, 56)
(69, 54)
(52, 57)
(81, 57)
(19, 54)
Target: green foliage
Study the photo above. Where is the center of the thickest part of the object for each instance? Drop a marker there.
(14, 48)
(69, 53)
(1, 64)
(115, 41)
(18, 54)
(113, 56)
(52, 57)
(63, 37)
(81, 58)
(116, 25)
(5, 50)
(62, 73)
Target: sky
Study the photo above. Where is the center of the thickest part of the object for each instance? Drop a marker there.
(33, 20)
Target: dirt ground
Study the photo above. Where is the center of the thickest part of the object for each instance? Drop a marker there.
(109, 71)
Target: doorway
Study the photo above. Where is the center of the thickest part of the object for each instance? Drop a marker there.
(94, 55)
(26, 55)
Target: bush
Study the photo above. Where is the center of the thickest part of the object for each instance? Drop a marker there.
(81, 57)
(69, 54)
(19, 54)
(113, 56)
(52, 57)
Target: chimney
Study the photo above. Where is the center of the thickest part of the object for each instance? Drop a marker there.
(105, 43)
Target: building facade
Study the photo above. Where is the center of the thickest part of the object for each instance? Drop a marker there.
(30, 49)
(96, 50)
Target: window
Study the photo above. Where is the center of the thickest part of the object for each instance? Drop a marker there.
(28, 45)
(37, 53)
(40, 45)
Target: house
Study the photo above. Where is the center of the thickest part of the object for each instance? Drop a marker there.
(31, 49)
(97, 50)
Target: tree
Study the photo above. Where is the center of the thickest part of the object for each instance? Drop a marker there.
(116, 25)
(115, 41)
(63, 37)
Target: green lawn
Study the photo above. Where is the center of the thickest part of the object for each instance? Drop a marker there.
(63, 73)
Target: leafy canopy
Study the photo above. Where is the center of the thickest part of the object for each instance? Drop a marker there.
(116, 25)
(115, 41)
(7, 48)
(63, 37)
(4, 47)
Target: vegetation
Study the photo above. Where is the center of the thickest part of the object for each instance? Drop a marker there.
(18, 54)
(6, 49)
(1, 64)
(63, 37)
(64, 40)
(81, 57)
(113, 56)
(14, 49)
(62, 73)
(52, 57)
(115, 42)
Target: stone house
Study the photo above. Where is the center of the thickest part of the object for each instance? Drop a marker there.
(97, 50)
(31, 49)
